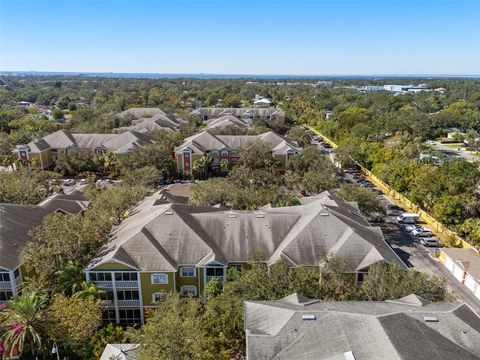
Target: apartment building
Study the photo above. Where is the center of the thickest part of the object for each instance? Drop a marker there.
(146, 120)
(164, 247)
(297, 327)
(224, 150)
(41, 153)
(252, 114)
(16, 222)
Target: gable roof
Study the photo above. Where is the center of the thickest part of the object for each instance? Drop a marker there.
(16, 221)
(227, 120)
(64, 139)
(160, 236)
(238, 112)
(369, 330)
(145, 120)
(205, 141)
(468, 259)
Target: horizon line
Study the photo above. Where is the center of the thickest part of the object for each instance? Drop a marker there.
(271, 75)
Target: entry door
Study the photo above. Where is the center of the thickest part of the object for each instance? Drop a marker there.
(186, 162)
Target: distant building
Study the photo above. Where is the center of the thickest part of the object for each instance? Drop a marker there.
(410, 328)
(227, 120)
(41, 153)
(146, 120)
(260, 101)
(224, 150)
(241, 113)
(16, 222)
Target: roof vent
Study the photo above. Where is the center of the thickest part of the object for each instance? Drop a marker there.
(308, 317)
(168, 212)
(259, 215)
(232, 215)
(430, 319)
(349, 355)
(324, 214)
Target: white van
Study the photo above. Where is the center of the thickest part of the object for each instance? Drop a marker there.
(407, 218)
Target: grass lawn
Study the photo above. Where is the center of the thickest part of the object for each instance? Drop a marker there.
(455, 146)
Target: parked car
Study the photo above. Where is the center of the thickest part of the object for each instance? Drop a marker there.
(411, 227)
(393, 212)
(422, 232)
(408, 218)
(68, 182)
(82, 181)
(430, 242)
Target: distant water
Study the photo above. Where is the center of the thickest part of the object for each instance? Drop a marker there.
(226, 76)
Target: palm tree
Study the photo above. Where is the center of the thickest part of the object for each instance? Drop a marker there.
(23, 323)
(87, 291)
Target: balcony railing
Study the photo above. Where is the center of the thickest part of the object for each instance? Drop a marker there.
(128, 303)
(107, 303)
(118, 284)
(126, 284)
(5, 285)
(103, 284)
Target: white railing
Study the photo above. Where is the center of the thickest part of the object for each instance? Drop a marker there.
(5, 285)
(107, 302)
(128, 303)
(126, 284)
(103, 284)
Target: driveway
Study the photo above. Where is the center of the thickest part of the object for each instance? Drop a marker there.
(459, 153)
(418, 257)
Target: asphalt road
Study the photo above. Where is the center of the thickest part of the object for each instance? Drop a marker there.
(417, 256)
(460, 153)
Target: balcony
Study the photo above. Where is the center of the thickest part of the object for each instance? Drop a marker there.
(128, 303)
(107, 303)
(126, 284)
(5, 285)
(103, 284)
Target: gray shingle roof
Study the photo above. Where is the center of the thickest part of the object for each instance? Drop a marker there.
(16, 221)
(369, 330)
(203, 141)
(159, 237)
(148, 119)
(118, 143)
(239, 112)
(468, 259)
(227, 120)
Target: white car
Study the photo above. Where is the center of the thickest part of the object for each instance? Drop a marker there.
(430, 242)
(411, 227)
(430, 142)
(422, 232)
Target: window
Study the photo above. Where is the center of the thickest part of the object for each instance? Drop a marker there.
(233, 153)
(159, 279)
(4, 276)
(16, 273)
(5, 295)
(106, 295)
(187, 271)
(108, 316)
(100, 276)
(224, 153)
(130, 316)
(215, 271)
(188, 290)
(158, 297)
(127, 295)
(237, 267)
(126, 276)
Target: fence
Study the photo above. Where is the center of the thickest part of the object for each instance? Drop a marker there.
(448, 237)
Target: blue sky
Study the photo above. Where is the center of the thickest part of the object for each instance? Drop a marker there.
(241, 37)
